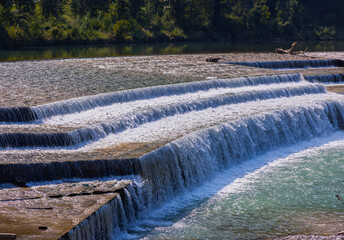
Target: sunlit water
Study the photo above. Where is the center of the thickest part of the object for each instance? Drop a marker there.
(285, 192)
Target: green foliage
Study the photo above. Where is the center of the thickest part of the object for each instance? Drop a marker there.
(325, 33)
(28, 22)
(122, 30)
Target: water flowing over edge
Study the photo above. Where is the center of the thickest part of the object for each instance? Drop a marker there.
(191, 160)
(328, 78)
(101, 130)
(112, 219)
(293, 64)
(30, 114)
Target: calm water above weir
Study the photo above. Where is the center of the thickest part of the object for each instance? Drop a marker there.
(62, 52)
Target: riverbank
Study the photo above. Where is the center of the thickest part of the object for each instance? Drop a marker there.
(144, 49)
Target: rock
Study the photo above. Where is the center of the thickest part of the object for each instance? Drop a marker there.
(211, 59)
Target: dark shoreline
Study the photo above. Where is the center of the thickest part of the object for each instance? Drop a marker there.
(158, 48)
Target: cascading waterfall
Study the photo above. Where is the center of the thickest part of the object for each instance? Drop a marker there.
(36, 172)
(97, 131)
(184, 163)
(293, 64)
(30, 114)
(329, 78)
(111, 219)
(189, 161)
(17, 114)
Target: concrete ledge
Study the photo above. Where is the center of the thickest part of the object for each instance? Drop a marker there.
(51, 211)
(35, 172)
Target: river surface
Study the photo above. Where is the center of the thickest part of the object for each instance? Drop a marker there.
(114, 50)
(286, 192)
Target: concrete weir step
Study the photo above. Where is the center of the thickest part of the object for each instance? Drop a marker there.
(48, 171)
(54, 211)
(7, 236)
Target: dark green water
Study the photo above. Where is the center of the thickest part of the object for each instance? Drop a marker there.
(158, 49)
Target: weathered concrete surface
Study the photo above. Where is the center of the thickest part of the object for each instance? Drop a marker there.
(120, 151)
(54, 80)
(50, 211)
(336, 88)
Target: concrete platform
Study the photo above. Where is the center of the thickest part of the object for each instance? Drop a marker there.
(51, 211)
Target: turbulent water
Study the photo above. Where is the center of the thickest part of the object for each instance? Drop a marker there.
(269, 196)
(173, 103)
(278, 65)
(328, 79)
(178, 137)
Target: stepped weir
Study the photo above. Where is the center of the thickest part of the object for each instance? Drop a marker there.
(120, 155)
(327, 63)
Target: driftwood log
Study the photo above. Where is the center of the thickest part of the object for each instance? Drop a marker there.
(290, 50)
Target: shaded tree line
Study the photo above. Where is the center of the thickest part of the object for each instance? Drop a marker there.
(42, 22)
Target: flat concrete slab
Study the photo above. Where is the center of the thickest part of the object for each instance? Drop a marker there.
(54, 80)
(336, 88)
(50, 211)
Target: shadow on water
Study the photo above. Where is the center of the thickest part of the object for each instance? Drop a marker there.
(114, 50)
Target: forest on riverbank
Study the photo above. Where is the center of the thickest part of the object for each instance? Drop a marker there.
(54, 22)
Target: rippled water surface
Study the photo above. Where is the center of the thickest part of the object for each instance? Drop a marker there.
(292, 195)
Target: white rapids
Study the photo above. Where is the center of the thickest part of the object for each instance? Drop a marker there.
(203, 128)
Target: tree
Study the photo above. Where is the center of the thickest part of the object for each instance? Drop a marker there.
(25, 6)
(50, 7)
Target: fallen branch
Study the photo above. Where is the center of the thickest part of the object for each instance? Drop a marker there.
(300, 52)
(290, 50)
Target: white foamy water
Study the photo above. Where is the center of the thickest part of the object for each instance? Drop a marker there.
(286, 191)
(100, 114)
(205, 131)
(133, 114)
(179, 125)
(170, 128)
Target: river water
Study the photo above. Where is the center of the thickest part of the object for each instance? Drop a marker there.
(286, 192)
(62, 52)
